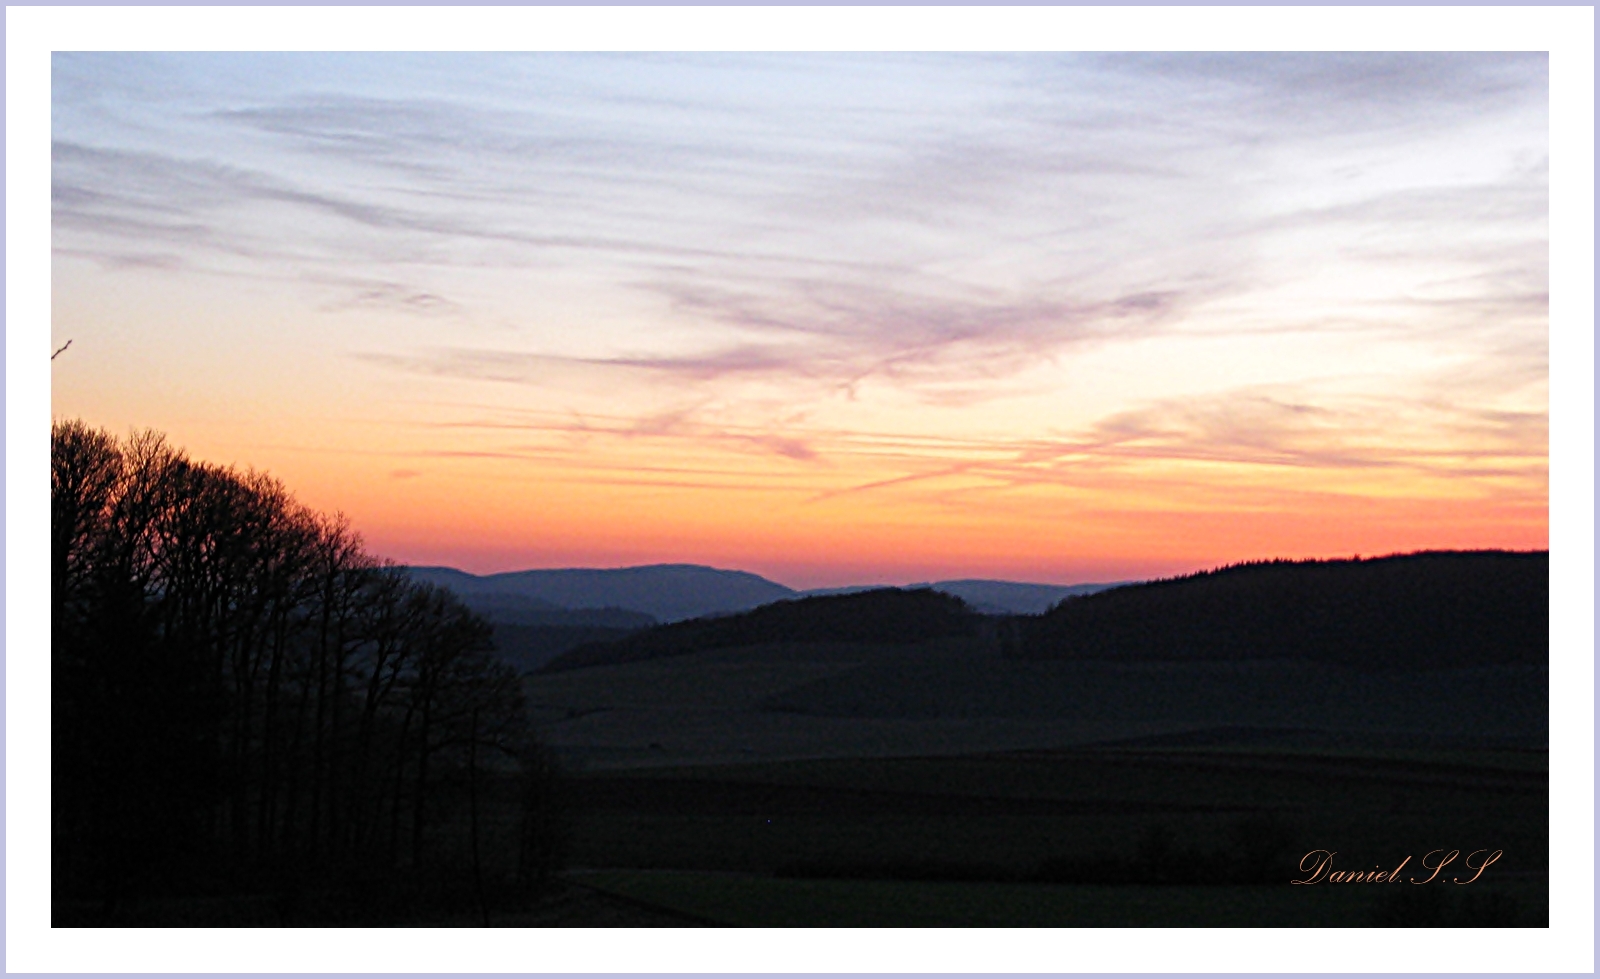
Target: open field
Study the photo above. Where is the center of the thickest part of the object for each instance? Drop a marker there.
(1006, 815)
(1007, 822)
(940, 783)
(959, 696)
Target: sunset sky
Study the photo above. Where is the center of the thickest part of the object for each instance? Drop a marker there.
(828, 318)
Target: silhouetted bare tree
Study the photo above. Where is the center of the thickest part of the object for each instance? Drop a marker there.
(241, 692)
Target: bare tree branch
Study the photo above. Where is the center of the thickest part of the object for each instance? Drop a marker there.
(59, 349)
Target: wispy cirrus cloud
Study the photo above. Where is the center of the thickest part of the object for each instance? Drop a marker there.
(1050, 160)
(1258, 428)
(361, 293)
(1247, 442)
(835, 338)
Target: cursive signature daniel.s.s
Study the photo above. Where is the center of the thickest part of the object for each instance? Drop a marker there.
(1318, 866)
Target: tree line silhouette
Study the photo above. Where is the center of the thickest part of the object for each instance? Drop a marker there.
(244, 699)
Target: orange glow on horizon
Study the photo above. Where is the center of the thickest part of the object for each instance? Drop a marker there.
(862, 518)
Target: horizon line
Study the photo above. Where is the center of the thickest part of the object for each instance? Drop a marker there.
(955, 580)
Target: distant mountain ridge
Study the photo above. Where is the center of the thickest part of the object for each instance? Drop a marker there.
(665, 592)
(675, 592)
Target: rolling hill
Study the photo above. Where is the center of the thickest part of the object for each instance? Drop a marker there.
(887, 615)
(1426, 649)
(1424, 611)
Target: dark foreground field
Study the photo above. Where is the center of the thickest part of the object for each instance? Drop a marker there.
(939, 785)
(1147, 836)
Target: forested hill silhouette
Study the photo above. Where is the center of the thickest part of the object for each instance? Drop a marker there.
(885, 615)
(1429, 610)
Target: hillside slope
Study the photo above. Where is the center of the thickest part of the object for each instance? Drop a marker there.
(1425, 611)
(887, 615)
(987, 595)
